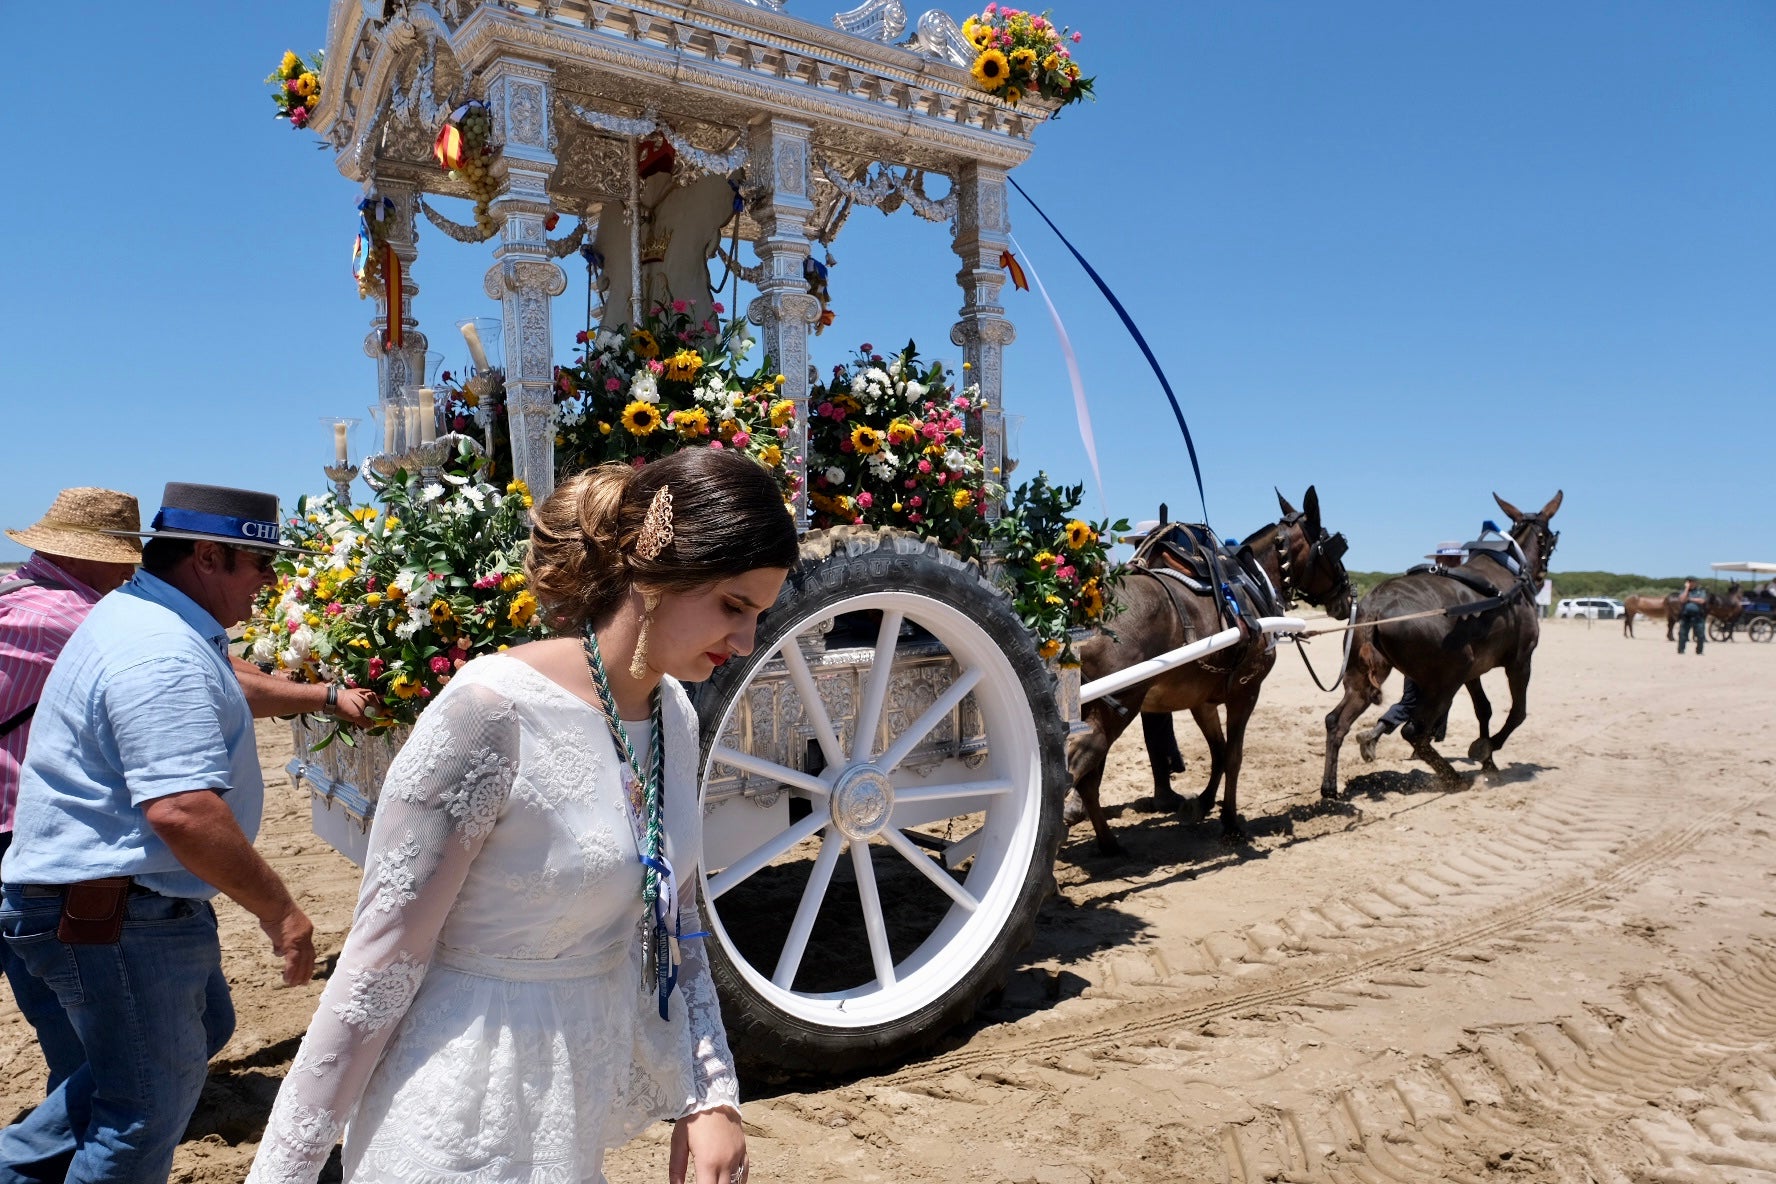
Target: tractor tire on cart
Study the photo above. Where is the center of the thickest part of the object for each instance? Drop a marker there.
(1761, 629)
(882, 786)
(1719, 630)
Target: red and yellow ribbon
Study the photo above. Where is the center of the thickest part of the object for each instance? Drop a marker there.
(1014, 269)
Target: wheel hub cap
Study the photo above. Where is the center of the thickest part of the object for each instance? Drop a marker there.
(862, 801)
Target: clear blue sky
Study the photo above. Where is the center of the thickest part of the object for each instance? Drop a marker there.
(1410, 252)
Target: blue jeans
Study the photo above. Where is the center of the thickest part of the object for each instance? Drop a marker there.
(150, 1012)
(42, 1010)
(1688, 625)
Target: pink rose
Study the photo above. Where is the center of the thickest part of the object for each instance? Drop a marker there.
(299, 117)
(334, 609)
(915, 518)
(613, 384)
(638, 463)
(680, 306)
(865, 500)
(294, 625)
(924, 465)
(1077, 38)
(440, 665)
(717, 306)
(656, 366)
(376, 667)
(783, 432)
(915, 501)
(742, 439)
(425, 692)
(716, 444)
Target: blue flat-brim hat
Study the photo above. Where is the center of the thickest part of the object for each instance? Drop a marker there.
(217, 514)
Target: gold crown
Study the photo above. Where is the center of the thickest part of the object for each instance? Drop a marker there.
(653, 249)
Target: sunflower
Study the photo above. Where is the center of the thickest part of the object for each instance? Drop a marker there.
(977, 34)
(782, 411)
(1080, 535)
(405, 686)
(291, 65)
(991, 69)
(961, 498)
(441, 612)
(1023, 59)
(1091, 598)
(1051, 63)
(1049, 649)
(694, 422)
(683, 365)
(1013, 95)
(524, 607)
(1044, 559)
(641, 419)
(644, 344)
(902, 432)
(867, 440)
(771, 455)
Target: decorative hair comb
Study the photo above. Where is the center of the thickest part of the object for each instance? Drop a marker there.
(656, 528)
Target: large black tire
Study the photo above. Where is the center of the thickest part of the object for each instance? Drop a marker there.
(767, 1034)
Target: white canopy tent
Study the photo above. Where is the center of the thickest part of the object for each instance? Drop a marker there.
(1747, 567)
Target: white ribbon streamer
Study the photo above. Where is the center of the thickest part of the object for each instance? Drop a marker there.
(1080, 409)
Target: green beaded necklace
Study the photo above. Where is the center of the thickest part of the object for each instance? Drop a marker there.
(648, 804)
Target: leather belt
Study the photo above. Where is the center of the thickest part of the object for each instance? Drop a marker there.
(55, 891)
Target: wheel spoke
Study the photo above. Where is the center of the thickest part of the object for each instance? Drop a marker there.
(872, 915)
(960, 790)
(783, 774)
(929, 869)
(812, 706)
(744, 868)
(869, 713)
(813, 894)
(921, 727)
(959, 852)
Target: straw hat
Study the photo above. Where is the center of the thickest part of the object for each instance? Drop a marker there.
(77, 526)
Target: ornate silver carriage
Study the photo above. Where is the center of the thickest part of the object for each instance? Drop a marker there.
(882, 779)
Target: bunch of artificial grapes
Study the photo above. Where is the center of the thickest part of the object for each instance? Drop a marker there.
(477, 132)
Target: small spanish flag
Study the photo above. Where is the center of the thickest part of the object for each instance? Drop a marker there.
(1015, 270)
(448, 147)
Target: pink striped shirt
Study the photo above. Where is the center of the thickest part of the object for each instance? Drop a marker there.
(35, 623)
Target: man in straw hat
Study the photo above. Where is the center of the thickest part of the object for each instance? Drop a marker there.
(139, 800)
(73, 563)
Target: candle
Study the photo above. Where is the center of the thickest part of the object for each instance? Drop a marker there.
(339, 443)
(428, 415)
(388, 429)
(475, 350)
(411, 415)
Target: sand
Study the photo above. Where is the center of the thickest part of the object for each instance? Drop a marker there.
(1567, 976)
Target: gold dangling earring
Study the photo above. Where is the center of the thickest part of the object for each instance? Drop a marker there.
(638, 667)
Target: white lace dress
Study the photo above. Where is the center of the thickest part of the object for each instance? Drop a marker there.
(487, 1020)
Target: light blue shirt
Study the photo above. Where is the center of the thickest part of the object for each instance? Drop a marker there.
(142, 703)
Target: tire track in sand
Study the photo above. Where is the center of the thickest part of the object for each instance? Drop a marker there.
(1486, 893)
(1684, 1091)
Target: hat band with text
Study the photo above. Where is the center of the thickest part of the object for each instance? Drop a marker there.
(250, 530)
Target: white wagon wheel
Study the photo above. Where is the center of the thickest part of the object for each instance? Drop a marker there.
(882, 789)
(1762, 629)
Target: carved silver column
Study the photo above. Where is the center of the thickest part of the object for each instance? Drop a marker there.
(784, 308)
(983, 230)
(524, 278)
(396, 369)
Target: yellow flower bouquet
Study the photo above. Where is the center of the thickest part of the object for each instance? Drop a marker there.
(1021, 53)
(296, 87)
(397, 598)
(1056, 567)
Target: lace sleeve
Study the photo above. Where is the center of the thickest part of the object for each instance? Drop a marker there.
(444, 792)
(712, 1068)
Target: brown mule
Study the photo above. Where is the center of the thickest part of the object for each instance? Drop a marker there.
(1445, 652)
(1301, 560)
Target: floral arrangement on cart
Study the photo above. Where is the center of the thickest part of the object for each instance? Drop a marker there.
(398, 597)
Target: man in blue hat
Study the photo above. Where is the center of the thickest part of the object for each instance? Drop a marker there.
(139, 800)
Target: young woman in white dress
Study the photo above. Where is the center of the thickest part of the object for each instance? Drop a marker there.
(522, 988)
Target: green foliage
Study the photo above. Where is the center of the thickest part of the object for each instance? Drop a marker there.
(1056, 567)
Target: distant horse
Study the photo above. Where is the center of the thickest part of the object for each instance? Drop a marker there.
(1653, 607)
(1725, 609)
(1477, 617)
(1159, 614)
